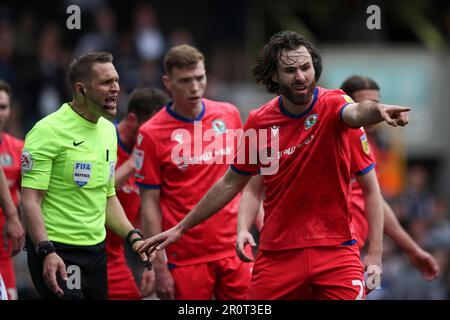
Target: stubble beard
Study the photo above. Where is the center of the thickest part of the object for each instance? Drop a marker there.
(298, 99)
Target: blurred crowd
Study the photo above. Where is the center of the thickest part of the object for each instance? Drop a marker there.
(424, 213)
(35, 53)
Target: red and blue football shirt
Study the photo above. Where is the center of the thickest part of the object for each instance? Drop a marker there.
(121, 283)
(10, 154)
(184, 158)
(307, 201)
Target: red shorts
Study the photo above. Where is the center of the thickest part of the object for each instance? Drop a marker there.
(309, 273)
(121, 282)
(7, 270)
(225, 279)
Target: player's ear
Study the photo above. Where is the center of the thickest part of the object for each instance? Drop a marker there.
(132, 120)
(167, 82)
(274, 76)
(79, 88)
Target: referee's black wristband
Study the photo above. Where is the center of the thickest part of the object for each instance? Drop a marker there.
(44, 248)
(137, 231)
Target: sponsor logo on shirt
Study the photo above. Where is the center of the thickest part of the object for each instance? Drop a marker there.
(209, 157)
(82, 173)
(200, 148)
(138, 158)
(26, 161)
(291, 150)
(219, 126)
(5, 160)
(310, 121)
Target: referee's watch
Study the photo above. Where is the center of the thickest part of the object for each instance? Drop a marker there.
(44, 248)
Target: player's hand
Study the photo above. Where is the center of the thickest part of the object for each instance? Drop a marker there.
(426, 264)
(164, 284)
(142, 255)
(159, 241)
(244, 237)
(373, 267)
(147, 286)
(53, 264)
(14, 234)
(394, 115)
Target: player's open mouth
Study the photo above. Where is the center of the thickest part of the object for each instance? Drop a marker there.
(300, 88)
(111, 102)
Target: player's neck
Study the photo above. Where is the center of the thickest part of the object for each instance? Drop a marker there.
(295, 108)
(187, 112)
(126, 135)
(83, 111)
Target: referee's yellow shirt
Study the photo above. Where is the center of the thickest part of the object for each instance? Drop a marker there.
(73, 160)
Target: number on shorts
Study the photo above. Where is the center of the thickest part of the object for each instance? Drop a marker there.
(361, 288)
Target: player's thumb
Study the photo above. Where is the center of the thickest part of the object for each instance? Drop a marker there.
(251, 241)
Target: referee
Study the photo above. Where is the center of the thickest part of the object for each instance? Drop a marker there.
(68, 193)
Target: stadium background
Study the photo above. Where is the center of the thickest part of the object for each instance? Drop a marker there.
(408, 57)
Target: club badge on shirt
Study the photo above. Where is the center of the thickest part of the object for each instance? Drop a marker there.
(26, 161)
(219, 126)
(82, 173)
(310, 121)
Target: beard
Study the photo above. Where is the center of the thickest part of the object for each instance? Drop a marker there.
(300, 99)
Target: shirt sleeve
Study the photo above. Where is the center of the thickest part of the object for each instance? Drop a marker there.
(111, 190)
(37, 157)
(340, 100)
(362, 158)
(148, 170)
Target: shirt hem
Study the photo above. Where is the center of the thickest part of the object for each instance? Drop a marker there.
(203, 259)
(275, 246)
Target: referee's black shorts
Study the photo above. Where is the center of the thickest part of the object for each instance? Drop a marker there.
(86, 266)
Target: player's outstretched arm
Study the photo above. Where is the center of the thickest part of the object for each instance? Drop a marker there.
(13, 227)
(247, 215)
(370, 112)
(422, 260)
(220, 194)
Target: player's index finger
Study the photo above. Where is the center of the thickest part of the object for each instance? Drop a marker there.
(401, 109)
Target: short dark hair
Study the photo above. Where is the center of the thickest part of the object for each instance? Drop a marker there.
(144, 102)
(81, 67)
(358, 83)
(4, 86)
(267, 60)
(181, 57)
